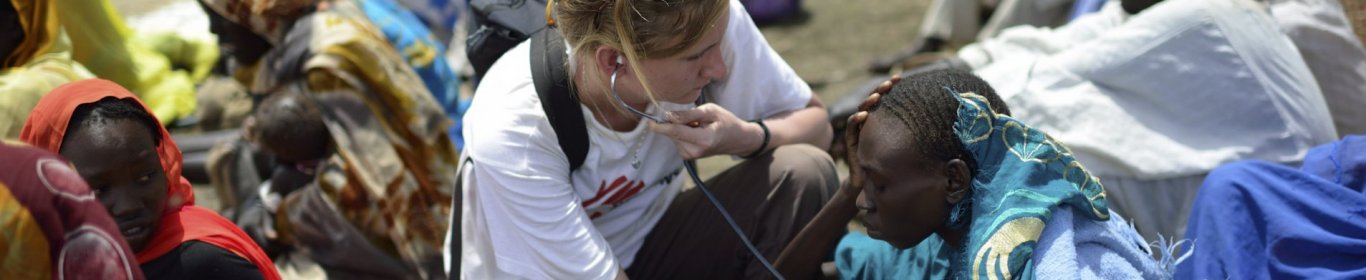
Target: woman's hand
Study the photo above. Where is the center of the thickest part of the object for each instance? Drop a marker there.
(710, 130)
(802, 257)
(854, 183)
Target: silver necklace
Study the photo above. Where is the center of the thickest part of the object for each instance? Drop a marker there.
(635, 152)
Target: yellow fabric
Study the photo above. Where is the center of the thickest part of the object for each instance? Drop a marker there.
(353, 55)
(23, 247)
(1002, 244)
(198, 55)
(40, 31)
(40, 63)
(22, 86)
(354, 51)
(141, 63)
(390, 178)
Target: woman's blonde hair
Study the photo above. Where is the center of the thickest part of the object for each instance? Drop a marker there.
(640, 29)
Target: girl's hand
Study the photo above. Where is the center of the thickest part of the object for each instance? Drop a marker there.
(710, 130)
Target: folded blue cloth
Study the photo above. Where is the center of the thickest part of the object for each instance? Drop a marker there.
(1258, 220)
(1078, 248)
(1069, 248)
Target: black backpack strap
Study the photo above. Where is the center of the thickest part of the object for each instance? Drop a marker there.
(557, 97)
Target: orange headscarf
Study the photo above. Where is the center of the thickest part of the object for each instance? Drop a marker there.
(182, 221)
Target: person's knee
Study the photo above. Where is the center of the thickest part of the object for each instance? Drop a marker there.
(806, 166)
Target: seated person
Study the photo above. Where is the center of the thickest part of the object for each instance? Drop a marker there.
(976, 193)
(404, 146)
(51, 227)
(289, 127)
(330, 46)
(289, 131)
(535, 205)
(950, 24)
(33, 60)
(419, 48)
(134, 168)
(1152, 96)
(330, 212)
(1257, 219)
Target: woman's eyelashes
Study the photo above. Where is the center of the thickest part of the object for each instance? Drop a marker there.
(146, 177)
(699, 55)
(872, 180)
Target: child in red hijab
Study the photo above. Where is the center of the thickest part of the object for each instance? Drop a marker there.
(133, 166)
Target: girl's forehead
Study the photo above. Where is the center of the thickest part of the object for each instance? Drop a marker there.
(98, 149)
(112, 134)
(884, 136)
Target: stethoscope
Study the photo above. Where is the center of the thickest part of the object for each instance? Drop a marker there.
(691, 166)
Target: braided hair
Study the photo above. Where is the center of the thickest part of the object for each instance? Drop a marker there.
(921, 103)
(110, 109)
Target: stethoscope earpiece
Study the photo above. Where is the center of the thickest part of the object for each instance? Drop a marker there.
(623, 103)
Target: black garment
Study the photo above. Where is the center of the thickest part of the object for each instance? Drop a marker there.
(199, 260)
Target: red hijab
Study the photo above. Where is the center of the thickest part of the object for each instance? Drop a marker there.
(182, 221)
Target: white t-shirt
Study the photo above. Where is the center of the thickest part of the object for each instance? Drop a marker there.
(525, 216)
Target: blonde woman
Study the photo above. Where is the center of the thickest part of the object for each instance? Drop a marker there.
(527, 212)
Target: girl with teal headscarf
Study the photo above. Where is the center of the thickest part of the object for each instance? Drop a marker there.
(957, 190)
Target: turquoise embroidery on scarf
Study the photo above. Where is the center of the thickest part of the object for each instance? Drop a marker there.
(1023, 175)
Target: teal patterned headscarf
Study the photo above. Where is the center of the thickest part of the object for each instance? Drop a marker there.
(1023, 176)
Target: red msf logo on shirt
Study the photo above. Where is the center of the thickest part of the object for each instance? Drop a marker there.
(609, 196)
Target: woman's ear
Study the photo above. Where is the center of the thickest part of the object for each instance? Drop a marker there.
(607, 59)
(960, 180)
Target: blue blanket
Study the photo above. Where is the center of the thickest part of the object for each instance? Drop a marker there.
(1257, 220)
(1070, 247)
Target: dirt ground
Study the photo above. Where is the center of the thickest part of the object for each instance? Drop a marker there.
(1356, 12)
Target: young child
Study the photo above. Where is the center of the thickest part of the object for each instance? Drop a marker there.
(134, 167)
(289, 126)
(323, 198)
